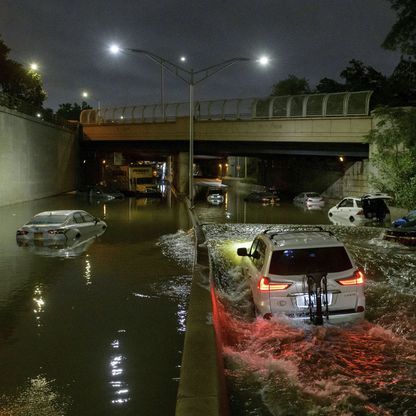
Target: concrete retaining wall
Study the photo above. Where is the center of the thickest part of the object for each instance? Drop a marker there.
(37, 159)
(354, 182)
(202, 384)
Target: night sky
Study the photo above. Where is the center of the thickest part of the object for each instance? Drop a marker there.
(307, 38)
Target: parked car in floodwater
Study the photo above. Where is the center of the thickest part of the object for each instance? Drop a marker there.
(309, 199)
(59, 227)
(265, 197)
(361, 210)
(303, 274)
(215, 196)
(99, 193)
(403, 230)
(408, 220)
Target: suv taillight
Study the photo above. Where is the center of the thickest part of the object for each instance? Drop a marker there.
(356, 279)
(265, 285)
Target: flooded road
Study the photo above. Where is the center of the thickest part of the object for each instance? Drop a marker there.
(280, 368)
(97, 330)
(101, 330)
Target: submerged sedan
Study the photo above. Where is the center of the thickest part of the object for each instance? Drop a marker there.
(59, 227)
(310, 200)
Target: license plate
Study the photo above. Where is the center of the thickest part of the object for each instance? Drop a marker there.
(38, 235)
(302, 301)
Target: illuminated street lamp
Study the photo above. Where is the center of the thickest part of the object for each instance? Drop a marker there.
(85, 95)
(191, 78)
(34, 66)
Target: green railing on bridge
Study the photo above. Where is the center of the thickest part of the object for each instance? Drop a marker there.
(341, 104)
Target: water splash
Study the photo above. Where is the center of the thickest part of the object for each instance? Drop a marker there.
(277, 368)
(179, 247)
(360, 369)
(38, 397)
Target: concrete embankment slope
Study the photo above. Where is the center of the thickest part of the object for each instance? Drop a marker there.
(37, 159)
(202, 386)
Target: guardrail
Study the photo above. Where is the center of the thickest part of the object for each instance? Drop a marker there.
(342, 104)
(23, 107)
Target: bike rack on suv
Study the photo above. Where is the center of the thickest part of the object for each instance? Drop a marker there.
(317, 288)
(316, 282)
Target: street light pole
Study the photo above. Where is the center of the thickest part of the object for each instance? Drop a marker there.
(191, 138)
(162, 91)
(191, 78)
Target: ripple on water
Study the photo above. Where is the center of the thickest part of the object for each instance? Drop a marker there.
(38, 397)
(179, 247)
(361, 369)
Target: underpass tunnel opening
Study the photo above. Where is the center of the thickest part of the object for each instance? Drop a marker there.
(288, 174)
(115, 169)
(293, 174)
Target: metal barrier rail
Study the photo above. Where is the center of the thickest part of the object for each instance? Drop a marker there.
(21, 106)
(343, 104)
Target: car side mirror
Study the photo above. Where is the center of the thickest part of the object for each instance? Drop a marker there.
(242, 251)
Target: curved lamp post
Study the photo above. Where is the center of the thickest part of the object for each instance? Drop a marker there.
(191, 78)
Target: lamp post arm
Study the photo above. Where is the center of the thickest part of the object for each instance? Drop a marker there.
(214, 69)
(165, 63)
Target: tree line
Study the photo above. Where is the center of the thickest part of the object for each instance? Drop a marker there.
(25, 84)
(398, 89)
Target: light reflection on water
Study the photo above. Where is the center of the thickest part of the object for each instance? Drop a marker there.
(61, 312)
(117, 372)
(39, 304)
(276, 368)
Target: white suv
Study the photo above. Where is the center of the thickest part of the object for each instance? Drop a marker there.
(359, 211)
(305, 274)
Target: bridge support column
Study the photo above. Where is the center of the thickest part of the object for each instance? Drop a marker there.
(180, 176)
(169, 169)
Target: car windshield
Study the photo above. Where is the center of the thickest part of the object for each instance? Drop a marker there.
(47, 219)
(313, 195)
(309, 260)
(214, 192)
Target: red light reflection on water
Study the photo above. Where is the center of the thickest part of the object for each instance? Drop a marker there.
(362, 362)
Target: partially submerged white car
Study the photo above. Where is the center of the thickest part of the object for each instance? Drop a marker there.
(361, 210)
(304, 274)
(215, 196)
(310, 200)
(59, 227)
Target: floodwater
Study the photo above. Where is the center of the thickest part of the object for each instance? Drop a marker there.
(279, 368)
(100, 331)
(96, 329)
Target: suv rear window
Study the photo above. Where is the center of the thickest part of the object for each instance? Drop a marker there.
(309, 260)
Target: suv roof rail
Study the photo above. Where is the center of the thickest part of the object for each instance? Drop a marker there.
(316, 228)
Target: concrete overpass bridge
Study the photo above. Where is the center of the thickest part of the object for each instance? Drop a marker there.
(314, 124)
